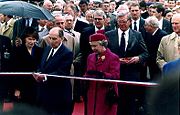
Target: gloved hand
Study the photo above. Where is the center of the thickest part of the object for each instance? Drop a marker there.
(96, 73)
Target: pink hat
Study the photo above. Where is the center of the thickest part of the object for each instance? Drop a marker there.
(97, 37)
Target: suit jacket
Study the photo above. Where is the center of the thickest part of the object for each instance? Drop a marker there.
(80, 25)
(55, 94)
(171, 69)
(141, 28)
(5, 46)
(152, 43)
(7, 31)
(136, 47)
(166, 26)
(20, 25)
(84, 39)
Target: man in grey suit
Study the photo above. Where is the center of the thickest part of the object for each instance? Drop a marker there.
(132, 51)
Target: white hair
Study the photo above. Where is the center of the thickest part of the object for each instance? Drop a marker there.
(152, 21)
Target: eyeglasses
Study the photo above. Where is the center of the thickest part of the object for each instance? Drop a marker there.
(98, 18)
(59, 23)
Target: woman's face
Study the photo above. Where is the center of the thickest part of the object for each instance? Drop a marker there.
(29, 42)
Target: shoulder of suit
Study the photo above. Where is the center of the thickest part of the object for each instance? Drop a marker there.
(169, 37)
(90, 28)
(111, 31)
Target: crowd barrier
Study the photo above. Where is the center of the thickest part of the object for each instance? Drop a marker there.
(145, 84)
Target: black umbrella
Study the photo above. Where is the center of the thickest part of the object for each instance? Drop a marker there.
(24, 9)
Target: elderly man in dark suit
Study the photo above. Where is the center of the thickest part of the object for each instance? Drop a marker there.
(152, 41)
(5, 49)
(55, 94)
(132, 51)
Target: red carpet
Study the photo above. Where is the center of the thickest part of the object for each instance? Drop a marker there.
(78, 109)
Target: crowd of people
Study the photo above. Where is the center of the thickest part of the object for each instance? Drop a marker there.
(137, 40)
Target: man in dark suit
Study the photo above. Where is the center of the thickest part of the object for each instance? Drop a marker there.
(138, 25)
(5, 49)
(137, 20)
(55, 94)
(85, 48)
(78, 25)
(21, 24)
(163, 23)
(152, 41)
(132, 51)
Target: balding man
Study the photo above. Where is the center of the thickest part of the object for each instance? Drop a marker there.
(152, 41)
(48, 5)
(55, 94)
(168, 48)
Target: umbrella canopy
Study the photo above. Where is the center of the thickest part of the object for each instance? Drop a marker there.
(24, 9)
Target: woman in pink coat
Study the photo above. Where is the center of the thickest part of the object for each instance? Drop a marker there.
(101, 64)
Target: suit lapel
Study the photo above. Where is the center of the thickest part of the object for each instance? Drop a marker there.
(45, 56)
(55, 56)
(130, 41)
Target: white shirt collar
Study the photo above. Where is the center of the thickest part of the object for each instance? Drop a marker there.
(160, 23)
(137, 23)
(126, 36)
(155, 31)
(96, 29)
(55, 49)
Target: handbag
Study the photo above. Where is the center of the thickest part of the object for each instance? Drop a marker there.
(111, 96)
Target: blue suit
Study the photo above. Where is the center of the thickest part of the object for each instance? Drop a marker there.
(172, 69)
(55, 94)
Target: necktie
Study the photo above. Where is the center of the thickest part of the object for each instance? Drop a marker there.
(135, 27)
(122, 45)
(51, 55)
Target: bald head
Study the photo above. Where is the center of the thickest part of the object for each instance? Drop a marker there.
(176, 23)
(48, 5)
(56, 37)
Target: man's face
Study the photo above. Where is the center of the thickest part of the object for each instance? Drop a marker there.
(68, 22)
(98, 21)
(123, 22)
(147, 28)
(152, 12)
(135, 12)
(54, 38)
(59, 22)
(69, 11)
(176, 24)
(83, 7)
(106, 7)
(89, 18)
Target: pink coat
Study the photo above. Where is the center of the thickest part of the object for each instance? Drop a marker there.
(110, 66)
